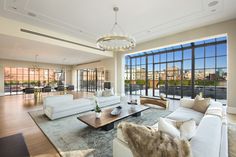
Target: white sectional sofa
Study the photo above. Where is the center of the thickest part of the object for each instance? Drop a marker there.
(210, 140)
(64, 105)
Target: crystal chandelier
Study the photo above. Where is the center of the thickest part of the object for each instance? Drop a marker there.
(116, 40)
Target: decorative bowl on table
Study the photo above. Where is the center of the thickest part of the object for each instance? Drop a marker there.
(133, 102)
(116, 111)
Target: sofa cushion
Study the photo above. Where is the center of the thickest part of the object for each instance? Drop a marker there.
(50, 100)
(207, 139)
(185, 114)
(62, 107)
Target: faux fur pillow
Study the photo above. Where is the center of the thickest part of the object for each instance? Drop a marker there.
(201, 104)
(147, 142)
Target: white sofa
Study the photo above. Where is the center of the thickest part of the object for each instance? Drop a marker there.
(64, 105)
(210, 140)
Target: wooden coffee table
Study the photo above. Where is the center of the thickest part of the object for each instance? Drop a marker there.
(106, 121)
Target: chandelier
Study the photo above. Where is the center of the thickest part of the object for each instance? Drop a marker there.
(35, 66)
(116, 40)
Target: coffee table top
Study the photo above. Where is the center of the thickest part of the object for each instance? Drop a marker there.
(106, 117)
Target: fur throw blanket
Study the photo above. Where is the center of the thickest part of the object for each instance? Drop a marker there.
(147, 142)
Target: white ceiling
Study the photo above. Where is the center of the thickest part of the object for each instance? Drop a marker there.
(25, 50)
(143, 19)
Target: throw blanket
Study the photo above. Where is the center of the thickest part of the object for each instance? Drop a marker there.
(215, 111)
(147, 142)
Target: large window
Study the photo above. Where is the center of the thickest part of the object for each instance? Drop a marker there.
(91, 79)
(15, 79)
(180, 71)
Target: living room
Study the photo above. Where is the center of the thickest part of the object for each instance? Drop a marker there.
(89, 78)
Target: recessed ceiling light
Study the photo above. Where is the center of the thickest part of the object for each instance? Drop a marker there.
(80, 31)
(212, 3)
(149, 31)
(31, 14)
(213, 10)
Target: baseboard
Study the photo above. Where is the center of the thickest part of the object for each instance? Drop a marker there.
(231, 110)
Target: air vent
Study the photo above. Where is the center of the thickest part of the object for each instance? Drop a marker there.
(59, 39)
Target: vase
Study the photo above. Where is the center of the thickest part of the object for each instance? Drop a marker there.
(98, 114)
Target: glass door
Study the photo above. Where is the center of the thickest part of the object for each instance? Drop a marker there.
(174, 79)
(167, 79)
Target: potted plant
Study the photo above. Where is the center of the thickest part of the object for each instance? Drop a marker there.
(98, 110)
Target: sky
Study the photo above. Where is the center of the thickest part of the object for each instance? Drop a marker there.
(215, 56)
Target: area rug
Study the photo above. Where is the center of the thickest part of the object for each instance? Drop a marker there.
(72, 137)
(13, 146)
(232, 139)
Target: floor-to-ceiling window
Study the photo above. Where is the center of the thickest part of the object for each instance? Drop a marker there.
(91, 79)
(17, 78)
(180, 71)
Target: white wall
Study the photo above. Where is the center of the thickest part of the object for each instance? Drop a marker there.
(227, 28)
(23, 64)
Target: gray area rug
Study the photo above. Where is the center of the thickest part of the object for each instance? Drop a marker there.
(72, 137)
(232, 139)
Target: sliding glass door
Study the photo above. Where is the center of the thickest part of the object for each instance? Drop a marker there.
(91, 80)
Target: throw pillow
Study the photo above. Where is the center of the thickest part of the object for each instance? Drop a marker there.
(201, 104)
(181, 129)
(147, 142)
(111, 90)
(167, 127)
(186, 102)
(188, 129)
(107, 92)
(98, 93)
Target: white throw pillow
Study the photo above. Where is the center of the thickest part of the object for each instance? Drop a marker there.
(187, 103)
(168, 128)
(98, 93)
(188, 129)
(180, 129)
(108, 92)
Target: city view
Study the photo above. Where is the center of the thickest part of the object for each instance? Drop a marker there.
(180, 71)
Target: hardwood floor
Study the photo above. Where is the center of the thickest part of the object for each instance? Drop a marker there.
(14, 118)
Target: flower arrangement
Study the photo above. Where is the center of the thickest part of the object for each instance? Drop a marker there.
(97, 108)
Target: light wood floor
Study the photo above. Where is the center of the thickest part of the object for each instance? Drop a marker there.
(14, 118)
